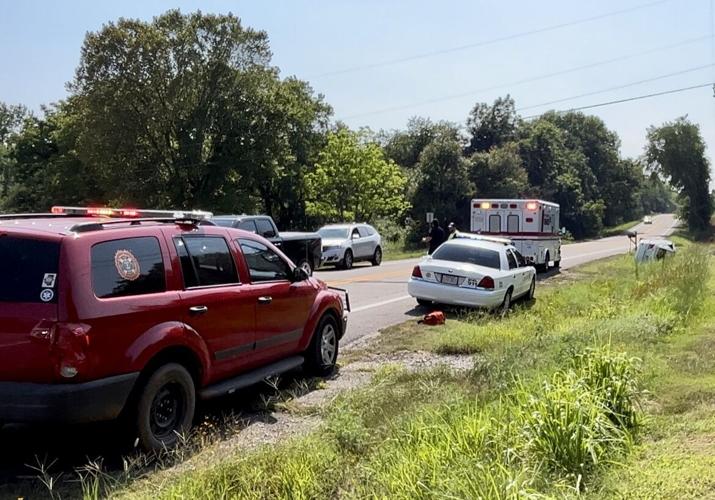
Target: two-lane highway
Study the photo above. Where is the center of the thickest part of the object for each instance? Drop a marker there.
(378, 295)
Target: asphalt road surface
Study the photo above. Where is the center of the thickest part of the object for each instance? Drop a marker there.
(378, 295)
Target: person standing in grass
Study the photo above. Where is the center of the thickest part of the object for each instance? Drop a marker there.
(435, 238)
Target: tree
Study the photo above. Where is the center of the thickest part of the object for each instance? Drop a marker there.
(499, 173)
(185, 111)
(491, 126)
(443, 184)
(11, 118)
(46, 168)
(556, 173)
(352, 180)
(676, 150)
(405, 147)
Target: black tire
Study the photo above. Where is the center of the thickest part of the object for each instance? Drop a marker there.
(322, 353)
(424, 302)
(506, 303)
(377, 257)
(165, 407)
(532, 289)
(347, 262)
(307, 266)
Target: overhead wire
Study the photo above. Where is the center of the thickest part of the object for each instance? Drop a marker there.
(531, 79)
(629, 99)
(618, 87)
(482, 43)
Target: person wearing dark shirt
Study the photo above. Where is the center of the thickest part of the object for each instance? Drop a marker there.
(435, 238)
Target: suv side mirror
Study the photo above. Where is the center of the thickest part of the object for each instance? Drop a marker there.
(299, 274)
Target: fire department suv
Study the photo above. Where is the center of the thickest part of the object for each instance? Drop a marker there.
(531, 225)
(142, 315)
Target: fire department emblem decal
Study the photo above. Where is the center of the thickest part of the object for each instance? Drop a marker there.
(127, 265)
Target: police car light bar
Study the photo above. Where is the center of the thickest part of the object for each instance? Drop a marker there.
(130, 213)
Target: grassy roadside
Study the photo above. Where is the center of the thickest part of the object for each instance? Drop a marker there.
(398, 251)
(609, 369)
(619, 229)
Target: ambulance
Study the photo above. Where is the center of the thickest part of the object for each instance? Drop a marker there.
(531, 225)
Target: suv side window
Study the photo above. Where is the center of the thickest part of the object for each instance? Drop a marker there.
(248, 225)
(206, 261)
(265, 228)
(370, 230)
(131, 266)
(511, 259)
(263, 263)
(364, 232)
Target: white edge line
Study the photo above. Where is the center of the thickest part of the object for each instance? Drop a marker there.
(379, 304)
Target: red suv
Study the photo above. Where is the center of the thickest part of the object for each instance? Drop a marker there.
(139, 316)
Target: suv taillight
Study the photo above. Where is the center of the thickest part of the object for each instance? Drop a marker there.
(486, 282)
(71, 347)
(417, 272)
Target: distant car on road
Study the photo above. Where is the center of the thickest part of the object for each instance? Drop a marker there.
(647, 219)
(476, 272)
(345, 244)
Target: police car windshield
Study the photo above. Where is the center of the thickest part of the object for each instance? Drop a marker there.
(333, 233)
(469, 255)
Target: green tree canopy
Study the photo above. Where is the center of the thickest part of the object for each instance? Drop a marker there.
(353, 180)
(676, 150)
(492, 125)
(499, 173)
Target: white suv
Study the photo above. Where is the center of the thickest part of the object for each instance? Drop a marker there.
(344, 244)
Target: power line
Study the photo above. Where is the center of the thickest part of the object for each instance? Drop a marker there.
(530, 79)
(492, 41)
(618, 87)
(628, 99)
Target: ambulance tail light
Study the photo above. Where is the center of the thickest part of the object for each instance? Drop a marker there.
(486, 282)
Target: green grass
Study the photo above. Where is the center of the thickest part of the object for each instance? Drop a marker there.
(620, 228)
(398, 251)
(604, 387)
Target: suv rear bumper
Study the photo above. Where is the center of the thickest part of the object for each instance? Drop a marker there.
(92, 401)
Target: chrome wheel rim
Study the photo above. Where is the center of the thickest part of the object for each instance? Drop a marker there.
(328, 344)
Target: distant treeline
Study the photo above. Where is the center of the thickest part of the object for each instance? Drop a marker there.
(186, 111)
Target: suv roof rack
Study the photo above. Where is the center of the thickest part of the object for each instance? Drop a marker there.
(32, 216)
(84, 227)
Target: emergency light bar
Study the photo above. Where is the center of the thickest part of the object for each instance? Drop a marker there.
(130, 213)
(493, 239)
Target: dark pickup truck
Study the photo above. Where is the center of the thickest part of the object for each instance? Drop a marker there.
(304, 249)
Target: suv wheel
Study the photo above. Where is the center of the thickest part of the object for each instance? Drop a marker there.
(305, 266)
(165, 408)
(348, 259)
(377, 257)
(322, 353)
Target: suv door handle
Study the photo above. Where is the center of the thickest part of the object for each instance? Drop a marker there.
(198, 310)
(265, 299)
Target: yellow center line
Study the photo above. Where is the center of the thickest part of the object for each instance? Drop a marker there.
(372, 277)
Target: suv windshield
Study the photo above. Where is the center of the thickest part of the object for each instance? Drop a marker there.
(335, 233)
(28, 269)
(468, 254)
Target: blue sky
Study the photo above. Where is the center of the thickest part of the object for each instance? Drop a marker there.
(315, 40)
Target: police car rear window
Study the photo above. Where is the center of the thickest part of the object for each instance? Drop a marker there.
(130, 266)
(469, 255)
(28, 270)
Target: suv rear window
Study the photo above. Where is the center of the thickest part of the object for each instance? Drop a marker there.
(131, 266)
(468, 254)
(28, 268)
